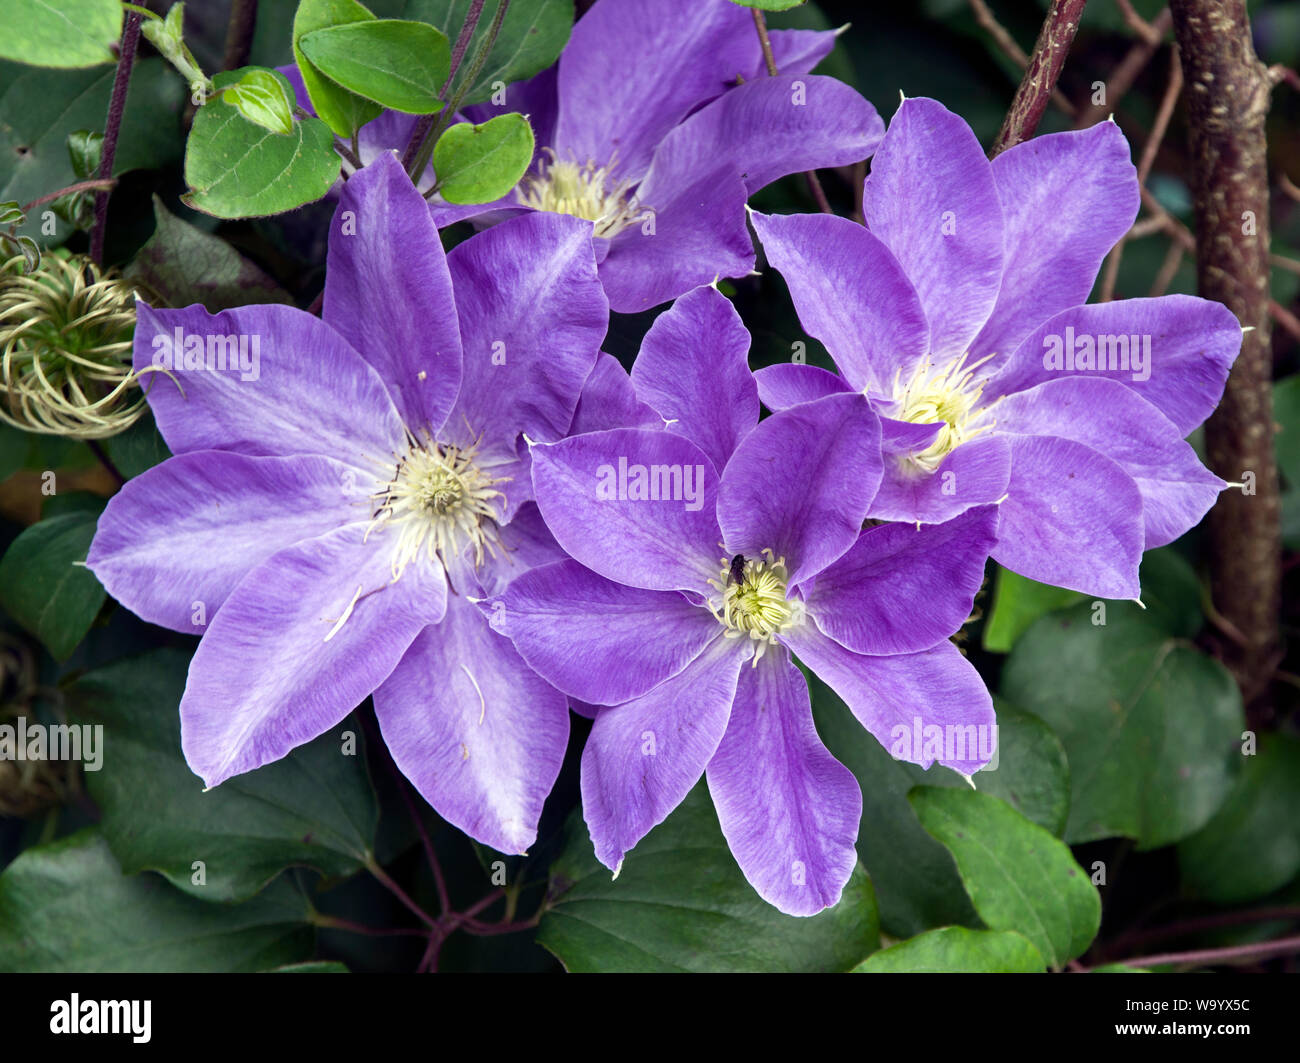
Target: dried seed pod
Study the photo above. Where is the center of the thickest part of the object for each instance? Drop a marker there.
(65, 349)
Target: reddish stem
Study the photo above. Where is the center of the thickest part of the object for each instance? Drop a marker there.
(116, 105)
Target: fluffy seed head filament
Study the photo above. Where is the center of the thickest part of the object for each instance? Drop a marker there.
(65, 349)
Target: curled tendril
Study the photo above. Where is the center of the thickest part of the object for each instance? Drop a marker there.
(65, 349)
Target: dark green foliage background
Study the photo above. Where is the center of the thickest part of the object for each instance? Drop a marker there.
(1121, 744)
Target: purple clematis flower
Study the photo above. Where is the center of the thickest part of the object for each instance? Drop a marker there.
(336, 501)
(958, 311)
(703, 553)
(643, 129)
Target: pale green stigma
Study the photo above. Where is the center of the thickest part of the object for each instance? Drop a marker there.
(754, 600)
(949, 393)
(585, 191)
(440, 499)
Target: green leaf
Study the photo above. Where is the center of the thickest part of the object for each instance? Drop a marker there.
(40, 108)
(401, 65)
(1286, 411)
(1119, 697)
(956, 949)
(181, 264)
(770, 5)
(84, 150)
(1252, 845)
(314, 808)
(531, 37)
(45, 586)
(139, 448)
(480, 163)
(343, 111)
(263, 99)
(67, 907)
(31, 253)
(1018, 876)
(13, 450)
(680, 903)
(1032, 775)
(236, 169)
(1017, 602)
(312, 967)
(57, 505)
(61, 33)
(11, 213)
(1171, 592)
(914, 876)
(168, 36)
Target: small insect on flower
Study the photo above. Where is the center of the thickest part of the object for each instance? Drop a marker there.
(737, 573)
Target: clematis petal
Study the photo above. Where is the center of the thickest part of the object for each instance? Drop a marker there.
(689, 234)
(298, 644)
(901, 589)
(608, 497)
(388, 291)
(306, 392)
(973, 474)
(788, 809)
(526, 543)
(795, 51)
(1192, 344)
(609, 400)
(901, 696)
(644, 756)
(766, 129)
(532, 316)
(633, 69)
(598, 640)
(851, 293)
(479, 734)
(1177, 490)
(788, 384)
(177, 539)
(1072, 518)
(931, 198)
(694, 370)
(1066, 199)
(801, 482)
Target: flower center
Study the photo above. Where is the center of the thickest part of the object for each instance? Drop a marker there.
(438, 499)
(948, 393)
(754, 600)
(587, 191)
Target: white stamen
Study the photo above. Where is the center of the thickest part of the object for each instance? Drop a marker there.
(346, 613)
(482, 703)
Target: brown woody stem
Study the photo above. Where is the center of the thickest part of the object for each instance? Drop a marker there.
(1227, 94)
(1036, 87)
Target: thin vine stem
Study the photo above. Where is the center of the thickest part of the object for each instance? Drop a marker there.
(769, 59)
(112, 127)
(425, 124)
(453, 105)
